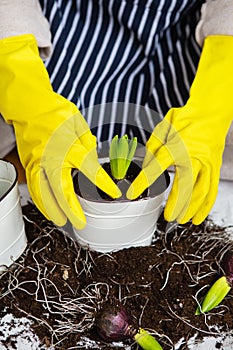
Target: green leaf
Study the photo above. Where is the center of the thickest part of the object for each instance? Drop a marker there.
(132, 149)
(147, 341)
(214, 296)
(122, 154)
(113, 156)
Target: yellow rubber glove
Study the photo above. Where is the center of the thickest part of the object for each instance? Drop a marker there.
(52, 135)
(192, 138)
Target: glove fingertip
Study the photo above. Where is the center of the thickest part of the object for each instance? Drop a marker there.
(70, 205)
(79, 223)
(115, 192)
(60, 221)
(198, 219)
(182, 221)
(168, 215)
(138, 186)
(44, 199)
(132, 193)
(106, 184)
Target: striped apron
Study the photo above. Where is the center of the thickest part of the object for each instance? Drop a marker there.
(137, 52)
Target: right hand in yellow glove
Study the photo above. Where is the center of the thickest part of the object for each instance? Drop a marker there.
(192, 138)
(51, 134)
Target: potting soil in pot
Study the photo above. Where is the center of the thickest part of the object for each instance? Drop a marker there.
(86, 189)
(50, 296)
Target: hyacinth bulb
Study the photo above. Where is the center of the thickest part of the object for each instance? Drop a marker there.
(113, 323)
(227, 266)
(219, 290)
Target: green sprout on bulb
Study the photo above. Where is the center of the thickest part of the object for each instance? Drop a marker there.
(121, 153)
(146, 340)
(219, 290)
(113, 323)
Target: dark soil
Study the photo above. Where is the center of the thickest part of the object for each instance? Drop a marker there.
(86, 189)
(61, 286)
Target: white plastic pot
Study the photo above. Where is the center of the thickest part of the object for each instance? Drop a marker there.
(116, 225)
(12, 233)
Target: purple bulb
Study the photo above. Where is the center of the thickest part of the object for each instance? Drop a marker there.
(113, 322)
(228, 266)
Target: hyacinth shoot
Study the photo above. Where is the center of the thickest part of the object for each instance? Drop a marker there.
(219, 290)
(146, 341)
(121, 153)
(113, 324)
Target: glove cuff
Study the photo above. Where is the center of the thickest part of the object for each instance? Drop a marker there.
(212, 85)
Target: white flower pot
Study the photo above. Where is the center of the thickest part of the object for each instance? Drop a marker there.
(12, 234)
(116, 225)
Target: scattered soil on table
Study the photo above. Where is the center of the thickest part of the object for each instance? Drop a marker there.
(60, 286)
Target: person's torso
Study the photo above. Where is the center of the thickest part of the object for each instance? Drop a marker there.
(141, 52)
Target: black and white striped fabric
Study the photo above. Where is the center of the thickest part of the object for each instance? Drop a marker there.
(138, 52)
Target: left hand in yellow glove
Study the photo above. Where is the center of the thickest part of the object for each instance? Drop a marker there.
(192, 138)
(52, 135)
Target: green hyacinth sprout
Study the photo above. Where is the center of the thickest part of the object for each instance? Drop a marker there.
(220, 288)
(146, 340)
(121, 154)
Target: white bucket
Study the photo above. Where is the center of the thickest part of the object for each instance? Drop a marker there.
(116, 225)
(12, 233)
